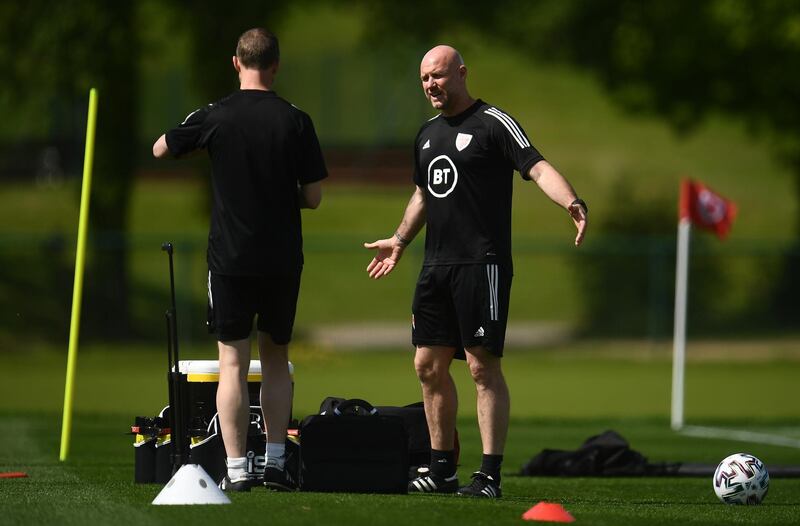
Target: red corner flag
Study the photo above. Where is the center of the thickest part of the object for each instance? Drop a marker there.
(705, 208)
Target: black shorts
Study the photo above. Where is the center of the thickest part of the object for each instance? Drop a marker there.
(462, 306)
(233, 302)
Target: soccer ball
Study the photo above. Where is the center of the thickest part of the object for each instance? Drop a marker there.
(741, 479)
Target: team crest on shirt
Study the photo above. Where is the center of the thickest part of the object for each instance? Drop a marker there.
(463, 140)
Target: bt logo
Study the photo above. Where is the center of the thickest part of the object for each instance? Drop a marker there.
(439, 174)
(442, 176)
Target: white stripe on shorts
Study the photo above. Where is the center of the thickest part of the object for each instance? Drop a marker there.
(210, 296)
(491, 274)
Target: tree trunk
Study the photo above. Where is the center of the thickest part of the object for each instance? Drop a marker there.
(107, 298)
(787, 290)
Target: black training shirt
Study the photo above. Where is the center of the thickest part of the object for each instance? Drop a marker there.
(260, 147)
(465, 166)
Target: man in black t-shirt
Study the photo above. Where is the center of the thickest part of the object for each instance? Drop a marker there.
(464, 162)
(266, 166)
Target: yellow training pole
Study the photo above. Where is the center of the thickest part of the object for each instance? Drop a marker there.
(77, 289)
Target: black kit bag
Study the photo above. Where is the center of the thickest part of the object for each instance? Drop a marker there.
(605, 455)
(419, 438)
(353, 448)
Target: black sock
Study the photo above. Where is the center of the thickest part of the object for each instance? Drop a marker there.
(443, 463)
(491, 465)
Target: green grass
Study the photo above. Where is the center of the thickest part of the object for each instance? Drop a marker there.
(588, 380)
(95, 486)
(561, 396)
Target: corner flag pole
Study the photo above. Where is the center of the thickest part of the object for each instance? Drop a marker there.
(679, 337)
(708, 210)
(77, 289)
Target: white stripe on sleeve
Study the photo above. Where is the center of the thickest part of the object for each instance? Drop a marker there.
(511, 126)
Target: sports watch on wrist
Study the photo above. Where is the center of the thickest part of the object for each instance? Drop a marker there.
(582, 203)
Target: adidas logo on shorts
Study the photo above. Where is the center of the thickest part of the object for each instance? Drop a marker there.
(479, 333)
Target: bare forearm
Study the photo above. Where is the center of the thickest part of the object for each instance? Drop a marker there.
(413, 218)
(390, 250)
(553, 184)
(557, 188)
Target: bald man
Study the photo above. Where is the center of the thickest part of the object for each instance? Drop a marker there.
(465, 158)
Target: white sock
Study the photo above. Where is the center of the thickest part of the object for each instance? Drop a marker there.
(275, 454)
(237, 467)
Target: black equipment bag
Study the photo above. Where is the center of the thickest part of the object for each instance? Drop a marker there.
(419, 438)
(353, 448)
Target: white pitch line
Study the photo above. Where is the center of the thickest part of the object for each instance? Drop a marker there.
(740, 435)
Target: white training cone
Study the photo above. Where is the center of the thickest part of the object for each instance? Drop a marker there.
(191, 485)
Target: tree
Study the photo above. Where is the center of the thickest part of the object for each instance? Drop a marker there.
(685, 59)
(94, 43)
(75, 46)
(215, 30)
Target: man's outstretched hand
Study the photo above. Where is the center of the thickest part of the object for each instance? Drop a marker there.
(389, 253)
(579, 216)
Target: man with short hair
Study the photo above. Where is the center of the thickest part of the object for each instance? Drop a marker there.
(266, 166)
(464, 162)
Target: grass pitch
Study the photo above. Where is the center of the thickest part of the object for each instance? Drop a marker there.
(95, 486)
(560, 397)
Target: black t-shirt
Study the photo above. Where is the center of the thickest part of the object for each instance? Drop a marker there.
(260, 147)
(465, 166)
